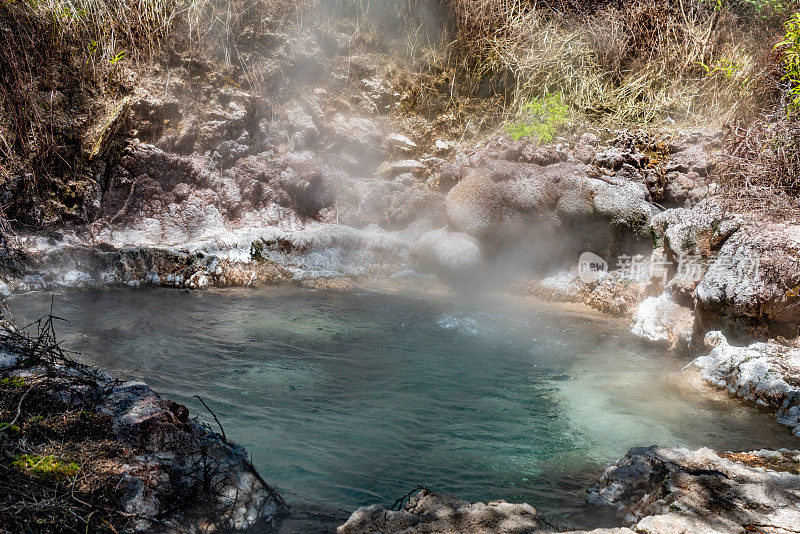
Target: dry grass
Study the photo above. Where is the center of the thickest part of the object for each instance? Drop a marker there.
(634, 63)
(105, 29)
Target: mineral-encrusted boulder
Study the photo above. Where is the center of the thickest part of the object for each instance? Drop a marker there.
(661, 319)
(624, 205)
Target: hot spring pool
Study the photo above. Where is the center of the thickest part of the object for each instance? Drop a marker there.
(350, 399)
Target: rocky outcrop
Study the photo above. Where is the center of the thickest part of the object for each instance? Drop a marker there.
(754, 276)
(163, 198)
(173, 473)
(504, 201)
(667, 491)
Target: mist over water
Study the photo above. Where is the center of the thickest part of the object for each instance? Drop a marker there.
(350, 399)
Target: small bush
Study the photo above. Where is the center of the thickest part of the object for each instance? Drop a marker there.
(46, 466)
(790, 56)
(540, 118)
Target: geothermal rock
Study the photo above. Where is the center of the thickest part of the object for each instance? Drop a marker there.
(309, 186)
(442, 147)
(410, 166)
(683, 189)
(301, 122)
(448, 251)
(357, 135)
(765, 373)
(656, 490)
(159, 198)
(495, 198)
(693, 232)
(575, 204)
(670, 491)
(430, 512)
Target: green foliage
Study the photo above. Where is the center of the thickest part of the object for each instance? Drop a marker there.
(540, 118)
(727, 68)
(790, 55)
(119, 56)
(769, 9)
(45, 466)
(12, 382)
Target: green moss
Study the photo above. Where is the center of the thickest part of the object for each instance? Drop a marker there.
(46, 466)
(12, 382)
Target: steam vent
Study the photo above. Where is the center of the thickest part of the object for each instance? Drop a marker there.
(400, 266)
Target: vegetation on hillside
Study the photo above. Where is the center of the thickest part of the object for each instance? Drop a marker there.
(64, 65)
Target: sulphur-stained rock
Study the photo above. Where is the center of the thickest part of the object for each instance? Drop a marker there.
(670, 491)
(448, 252)
(430, 512)
(765, 373)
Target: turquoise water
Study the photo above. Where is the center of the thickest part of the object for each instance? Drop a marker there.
(349, 399)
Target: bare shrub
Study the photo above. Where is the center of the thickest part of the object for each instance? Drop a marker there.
(761, 170)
